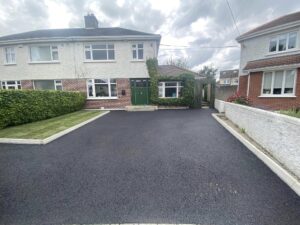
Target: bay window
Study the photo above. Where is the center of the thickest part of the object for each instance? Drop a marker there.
(170, 89)
(11, 84)
(48, 85)
(283, 42)
(102, 88)
(10, 56)
(138, 51)
(44, 53)
(279, 83)
(99, 52)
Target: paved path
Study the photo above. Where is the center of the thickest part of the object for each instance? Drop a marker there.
(176, 166)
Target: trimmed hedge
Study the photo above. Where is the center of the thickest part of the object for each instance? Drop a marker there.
(25, 106)
(188, 80)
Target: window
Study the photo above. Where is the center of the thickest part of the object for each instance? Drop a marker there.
(10, 56)
(138, 51)
(283, 42)
(279, 82)
(11, 84)
(170, 89)
(102, 88)
(43, 53)
(48, 85)
(100, 52)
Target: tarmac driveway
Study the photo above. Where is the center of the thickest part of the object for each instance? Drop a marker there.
(175, 166)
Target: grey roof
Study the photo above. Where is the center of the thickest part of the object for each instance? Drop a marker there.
(173, 71)
(274, 23)
(229, 73)
(74, 32)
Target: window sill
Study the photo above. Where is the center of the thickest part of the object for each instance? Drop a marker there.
(100, 61)
(103, 98)
(10, 64)
(277, 96)
(45, 62)
(138, 60)
(168, 97)
(282, 52)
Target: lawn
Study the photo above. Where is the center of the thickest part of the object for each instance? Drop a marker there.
(45, 128)
(294, 113)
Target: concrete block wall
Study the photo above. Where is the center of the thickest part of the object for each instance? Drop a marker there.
(278, 134)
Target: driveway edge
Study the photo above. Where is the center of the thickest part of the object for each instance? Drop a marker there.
(51, 138)
(281, 172)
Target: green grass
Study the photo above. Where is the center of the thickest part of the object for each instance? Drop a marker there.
(45, 128)
(291, 112)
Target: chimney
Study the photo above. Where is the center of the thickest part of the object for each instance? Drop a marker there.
(90, 21)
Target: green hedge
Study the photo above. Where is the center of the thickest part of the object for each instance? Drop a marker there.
(188, 80)
(25, 106)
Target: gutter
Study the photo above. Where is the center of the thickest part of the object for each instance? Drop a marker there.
(290, 66)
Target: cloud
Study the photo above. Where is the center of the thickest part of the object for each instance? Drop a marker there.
(200, 25)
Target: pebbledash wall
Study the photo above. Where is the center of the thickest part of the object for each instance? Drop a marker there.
(270, 103)
(278, 134)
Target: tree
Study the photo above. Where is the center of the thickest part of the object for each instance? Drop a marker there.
(209, 72)
(180, 62)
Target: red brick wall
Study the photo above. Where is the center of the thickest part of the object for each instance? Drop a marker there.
(243, 85)
(271, 103)
(80, 85)
(27, 84)
(121, 102)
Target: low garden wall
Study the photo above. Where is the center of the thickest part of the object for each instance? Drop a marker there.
(278, 134)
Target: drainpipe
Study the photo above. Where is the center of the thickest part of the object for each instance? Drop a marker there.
(248, 84)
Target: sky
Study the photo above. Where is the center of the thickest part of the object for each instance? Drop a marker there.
(201, 31)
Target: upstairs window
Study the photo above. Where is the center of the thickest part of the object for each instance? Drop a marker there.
(11, 84)
(43, 53)
(283, 42)
(170, 89)
(99, 52)
(48, 85)
(102, 88)
(279, 83)
(138, 51)
(10, 56)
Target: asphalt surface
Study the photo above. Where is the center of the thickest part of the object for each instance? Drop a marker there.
(176, 166)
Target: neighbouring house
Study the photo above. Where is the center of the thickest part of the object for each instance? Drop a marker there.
(270, 63)
(108, 64)
(227, 84)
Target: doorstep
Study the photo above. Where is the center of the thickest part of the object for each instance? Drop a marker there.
(140, 108)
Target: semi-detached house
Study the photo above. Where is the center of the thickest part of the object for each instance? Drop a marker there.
(105, 63)
(270, 63)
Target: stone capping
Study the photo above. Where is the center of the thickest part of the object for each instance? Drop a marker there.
(50, 138)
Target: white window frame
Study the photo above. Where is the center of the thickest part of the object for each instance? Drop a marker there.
(163, 86)
(16, 85)
(56, 84)
(53, 49)
(89, 48)
(282, 87)
(12, 55)
(277, 37)
(136, 50)
(92, 82)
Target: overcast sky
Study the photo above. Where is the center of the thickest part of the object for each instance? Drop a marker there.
(200, 25)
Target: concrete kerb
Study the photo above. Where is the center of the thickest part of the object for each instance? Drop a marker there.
(281, 172)
(51, 138)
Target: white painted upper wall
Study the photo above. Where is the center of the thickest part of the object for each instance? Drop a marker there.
(72, 62)
(258, 47)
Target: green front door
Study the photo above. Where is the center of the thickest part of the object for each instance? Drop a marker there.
(139, 91)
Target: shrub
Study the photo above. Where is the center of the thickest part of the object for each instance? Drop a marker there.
(25, 106)
(188, 80)
(239, 99)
